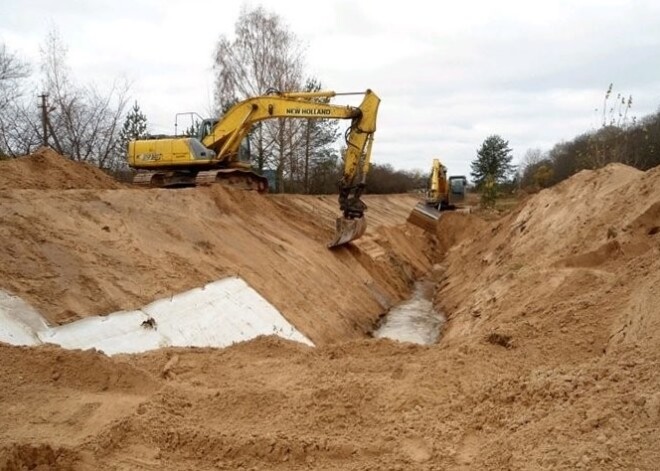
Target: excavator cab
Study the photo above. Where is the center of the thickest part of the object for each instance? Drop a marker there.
(244, 151)
(457, 187)
(206, 128)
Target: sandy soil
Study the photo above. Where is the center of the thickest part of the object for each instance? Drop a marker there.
(549, 359)
(47, 170)
(88, 252)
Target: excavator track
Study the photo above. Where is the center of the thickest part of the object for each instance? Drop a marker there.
(161, 179)
(235, 178)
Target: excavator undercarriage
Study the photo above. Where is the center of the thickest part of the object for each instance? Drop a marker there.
(232, 177)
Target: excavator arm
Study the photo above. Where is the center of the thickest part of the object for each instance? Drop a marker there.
(226, 136)
(438, 188)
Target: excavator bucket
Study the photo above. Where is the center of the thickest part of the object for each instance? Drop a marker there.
(348, 230)
(424, 216)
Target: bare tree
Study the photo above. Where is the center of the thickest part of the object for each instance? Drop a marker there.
(317, 136)
(264, 55)
(84, 121)
(17, 131)
(532, 157)
(12, 71)
(19, 128)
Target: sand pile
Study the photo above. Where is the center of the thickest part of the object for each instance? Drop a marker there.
(570, 239)
(269, 404)
(549, 360)
(68, 390)
(566, 287)
(47, 170)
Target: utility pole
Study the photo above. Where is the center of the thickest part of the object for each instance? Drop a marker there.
(44, 118)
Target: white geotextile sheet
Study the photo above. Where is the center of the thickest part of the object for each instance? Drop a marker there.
(216, 315)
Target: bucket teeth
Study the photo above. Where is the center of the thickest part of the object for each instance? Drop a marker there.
(348, 230)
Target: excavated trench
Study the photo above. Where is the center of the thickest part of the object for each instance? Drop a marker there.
(414, 319)
(547, 322)
(93, 251)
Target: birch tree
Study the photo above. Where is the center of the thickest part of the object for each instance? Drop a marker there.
(12, 71)
(263, 55)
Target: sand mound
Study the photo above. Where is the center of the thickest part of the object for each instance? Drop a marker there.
(549, 360)
(65, 390)
(41, 457)
(572, 238)
(82, 370)
(459, 228)
(48, 170)
(564, 289)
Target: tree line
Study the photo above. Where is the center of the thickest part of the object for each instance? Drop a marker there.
(301, 155)
(618, 139)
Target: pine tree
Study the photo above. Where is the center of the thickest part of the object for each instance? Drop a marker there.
(493, 161)
(135, 127)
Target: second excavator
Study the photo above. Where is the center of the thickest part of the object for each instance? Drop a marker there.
(219, 152)
(442, 194)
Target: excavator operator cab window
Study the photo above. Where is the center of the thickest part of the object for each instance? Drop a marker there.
(205, 128)
(457, 185)
(244, 150)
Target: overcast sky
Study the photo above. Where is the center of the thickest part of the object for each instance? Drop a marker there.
(449, 73)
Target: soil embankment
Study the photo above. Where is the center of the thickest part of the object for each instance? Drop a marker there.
(47, 170)
(85, 252)
(549, 358)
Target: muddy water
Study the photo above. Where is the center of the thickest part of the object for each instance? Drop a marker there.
(413, 320)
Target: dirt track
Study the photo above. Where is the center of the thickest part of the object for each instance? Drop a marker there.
(549, 359)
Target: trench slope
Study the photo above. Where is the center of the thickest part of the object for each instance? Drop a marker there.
(73, 253)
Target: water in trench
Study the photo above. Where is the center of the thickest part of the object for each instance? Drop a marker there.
(413, 320)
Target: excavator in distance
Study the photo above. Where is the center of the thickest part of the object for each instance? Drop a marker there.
(442, 194)
(218, 152)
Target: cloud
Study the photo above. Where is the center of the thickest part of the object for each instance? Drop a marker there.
(448, 75)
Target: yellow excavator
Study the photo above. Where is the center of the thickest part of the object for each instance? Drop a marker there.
(442, 194)
(220, 152)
